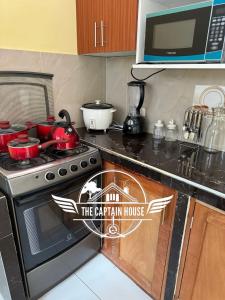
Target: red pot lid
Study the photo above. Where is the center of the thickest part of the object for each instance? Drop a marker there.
(5, 125)
(24, 141)
(7, 128)
(50, 121)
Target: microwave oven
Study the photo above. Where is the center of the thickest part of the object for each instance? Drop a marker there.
(186, 34)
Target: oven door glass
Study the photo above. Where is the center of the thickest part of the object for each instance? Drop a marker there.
(45, 230)
(181, 35)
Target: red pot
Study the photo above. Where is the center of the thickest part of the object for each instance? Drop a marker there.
(10, 132)
(44, 129)
(25, 147)
(65, 131)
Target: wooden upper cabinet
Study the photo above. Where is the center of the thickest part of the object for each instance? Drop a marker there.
(143, 254)
(89, 12)
(106, 25)
(120, 25)
(204, 270)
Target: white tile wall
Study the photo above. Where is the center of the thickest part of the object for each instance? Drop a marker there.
(77, 79)
(168, 94)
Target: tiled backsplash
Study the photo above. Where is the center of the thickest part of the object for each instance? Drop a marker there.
(168, 94)
(77, 79)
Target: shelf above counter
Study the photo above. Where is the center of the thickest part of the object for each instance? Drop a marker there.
(181, 66)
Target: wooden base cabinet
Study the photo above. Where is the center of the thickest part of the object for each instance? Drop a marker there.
(143, 254)
(203, 274)
(105, 26)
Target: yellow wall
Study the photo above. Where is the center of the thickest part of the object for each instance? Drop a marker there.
(38, 25)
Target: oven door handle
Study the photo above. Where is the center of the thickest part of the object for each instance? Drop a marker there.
(47, 197)
(23, 202)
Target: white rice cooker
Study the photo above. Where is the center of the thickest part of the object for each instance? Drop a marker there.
(98, 115)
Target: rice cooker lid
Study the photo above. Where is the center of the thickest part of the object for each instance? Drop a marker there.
(97, 105)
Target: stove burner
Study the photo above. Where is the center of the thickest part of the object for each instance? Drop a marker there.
(24, 162)
(3, 153)
(13, 165)
(56, 154)
(51, 154)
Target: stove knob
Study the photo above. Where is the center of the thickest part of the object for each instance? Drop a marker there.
(62, 172)
(84, 164)
(50, 176)
(74, 168)
(93, 161)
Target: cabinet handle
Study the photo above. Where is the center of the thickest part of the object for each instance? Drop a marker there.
(102, 33)
(95, 42)
(163, 217)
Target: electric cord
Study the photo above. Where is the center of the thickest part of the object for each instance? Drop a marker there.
(132, 74)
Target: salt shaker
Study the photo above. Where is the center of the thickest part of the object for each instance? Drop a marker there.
(158, 132)
(171, 131)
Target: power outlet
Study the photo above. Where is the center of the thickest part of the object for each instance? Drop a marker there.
(143, 112)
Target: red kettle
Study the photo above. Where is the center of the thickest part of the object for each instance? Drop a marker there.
(64, 130)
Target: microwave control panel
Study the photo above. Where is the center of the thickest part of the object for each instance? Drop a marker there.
(217, 29)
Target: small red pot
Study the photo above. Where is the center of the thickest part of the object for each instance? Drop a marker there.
(24, 147)
(10, 132)
(44, 129)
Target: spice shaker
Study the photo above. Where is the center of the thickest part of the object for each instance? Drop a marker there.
(171, 131)
(158, 132)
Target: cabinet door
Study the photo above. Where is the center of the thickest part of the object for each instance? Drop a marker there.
(143, 254)
(204, 269)
(119, 25)
(89, 14)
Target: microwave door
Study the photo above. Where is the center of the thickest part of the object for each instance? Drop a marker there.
(177, 37)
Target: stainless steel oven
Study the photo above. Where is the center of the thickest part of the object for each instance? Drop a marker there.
(50, 240)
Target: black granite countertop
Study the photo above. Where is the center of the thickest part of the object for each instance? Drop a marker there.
(186, 163)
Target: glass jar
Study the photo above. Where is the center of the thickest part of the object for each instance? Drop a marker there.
(215, 133)
(159, 132)
(171, 131)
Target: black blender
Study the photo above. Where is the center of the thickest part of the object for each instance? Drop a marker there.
(134, 123)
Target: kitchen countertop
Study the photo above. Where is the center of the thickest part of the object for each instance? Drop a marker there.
(179, 164)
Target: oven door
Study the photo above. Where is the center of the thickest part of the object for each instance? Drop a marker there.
(44, 229)
(177, 35)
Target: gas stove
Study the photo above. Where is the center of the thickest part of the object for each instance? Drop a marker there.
(51, 167)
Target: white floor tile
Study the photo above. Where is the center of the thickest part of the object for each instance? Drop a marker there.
(108, 282)
(71, 288)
